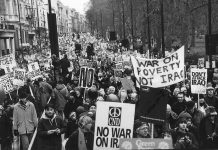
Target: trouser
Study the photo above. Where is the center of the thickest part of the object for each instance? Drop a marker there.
(25, 140)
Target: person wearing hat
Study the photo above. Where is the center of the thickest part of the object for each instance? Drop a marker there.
(83, 138)
(182, 137)
(6, 135)
(24, 118)
(196, 114)
(141, 129)
(50, 128)
(210, 99)
(207, 129)
(72, 124)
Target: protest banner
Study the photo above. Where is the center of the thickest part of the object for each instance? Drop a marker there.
(200, 62)
(159, 72)
(152, 105)
(19, 77)
(208, 64)
(114, 121)
(34, 71)
(145, 143)
(86, 77)
(6, 83)
(7, 60)
(198, 81)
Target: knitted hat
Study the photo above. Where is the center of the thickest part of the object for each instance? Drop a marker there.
(210, 111)
(84, 120)
(112, 98)
(184, 115)
(80, 110)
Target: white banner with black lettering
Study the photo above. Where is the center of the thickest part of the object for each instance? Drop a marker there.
(198, 81)
(159, 72)
(6, 83)
(34, 71)
(19, 77)
(113, 122)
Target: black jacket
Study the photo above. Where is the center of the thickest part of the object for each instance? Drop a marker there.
(72, 143)
(53, 141)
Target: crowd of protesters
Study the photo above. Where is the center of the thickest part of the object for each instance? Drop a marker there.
(69, 110)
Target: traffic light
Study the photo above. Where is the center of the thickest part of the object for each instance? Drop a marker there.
(211, 43)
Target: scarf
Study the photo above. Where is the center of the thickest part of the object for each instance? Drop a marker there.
(81, 141)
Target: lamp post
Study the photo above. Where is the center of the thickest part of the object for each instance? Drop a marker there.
(21, 40)
(210, 74)
(162, 28)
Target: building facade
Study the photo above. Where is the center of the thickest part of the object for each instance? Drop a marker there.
(24, 22)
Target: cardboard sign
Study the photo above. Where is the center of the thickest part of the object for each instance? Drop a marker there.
(200, 62)
(34, 71)
(198, 81)
(19, 77)
(7, 60)
(6, 83)
(145, 143)
(159, 72)
(86, 77)
(208, 64)
(114, 121)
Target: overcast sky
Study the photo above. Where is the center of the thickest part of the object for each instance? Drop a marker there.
(79, 5)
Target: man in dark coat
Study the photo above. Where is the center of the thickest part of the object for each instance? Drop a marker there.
(50, 128)
(180, 105)
(65, 64)
(82, 138)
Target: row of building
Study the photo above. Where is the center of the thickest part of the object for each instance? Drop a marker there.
(24, 23)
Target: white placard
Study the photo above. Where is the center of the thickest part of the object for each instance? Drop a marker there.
(159, 72)
(113, 122)
(198, 81)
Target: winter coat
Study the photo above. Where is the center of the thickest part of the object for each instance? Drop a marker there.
(72, 143)
(206, 129)
(53, 141)
(5, 129)
(65, 64)
(45, 92)
(71, 106)
(24, 119)
(60, 94)
(72, 126)
(211, 101)
(197, 116)
(177, 135)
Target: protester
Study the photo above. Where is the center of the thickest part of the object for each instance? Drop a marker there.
(72, 124)
(182, 138)
(6, 135)
(50, 129)
(180, 105)
(207, 129)
(24, 118)
(83, 138)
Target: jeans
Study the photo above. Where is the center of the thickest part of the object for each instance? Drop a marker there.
(25, 140)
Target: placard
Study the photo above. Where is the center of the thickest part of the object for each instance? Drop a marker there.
(86, 77)
(200, 62)
(19, 77)
(145, 143)
(6, 83)
(34, 71)
(159, 72)
(114, 121)
(198, 81)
